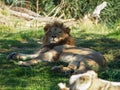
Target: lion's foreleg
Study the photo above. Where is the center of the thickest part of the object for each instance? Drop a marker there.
(81, 69)
(27, 56)
(48, 56)
(63, 86)
(29, 63)
(16, 55)
(67, 70)
(71, 67)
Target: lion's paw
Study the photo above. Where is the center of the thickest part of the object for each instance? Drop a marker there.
(20, 63)
(24, 63)
(62, 86)
(63, 69)
(12, 55)
(67, 70)
(57, 68)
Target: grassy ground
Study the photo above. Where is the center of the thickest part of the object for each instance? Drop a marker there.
(39, 77)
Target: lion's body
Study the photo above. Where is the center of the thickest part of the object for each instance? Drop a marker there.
(89, 81)
(59, 45)
(79, 59)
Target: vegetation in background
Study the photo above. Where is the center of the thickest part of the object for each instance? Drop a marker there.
(71, 8)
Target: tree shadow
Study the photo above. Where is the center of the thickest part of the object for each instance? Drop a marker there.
(99, 42)
(109, 47)
(13, 45)
(13, 75)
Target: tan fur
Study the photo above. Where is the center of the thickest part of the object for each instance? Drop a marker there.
(58, 44)
(80, 59)
(89, 81)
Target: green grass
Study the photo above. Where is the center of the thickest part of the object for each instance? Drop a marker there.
(40, 77)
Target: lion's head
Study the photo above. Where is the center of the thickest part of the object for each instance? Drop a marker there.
(58, 34)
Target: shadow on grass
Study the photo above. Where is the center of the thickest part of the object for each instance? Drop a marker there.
(13, 45)
(101, 43)
(109, 47)
(11, 75)
(14, 76)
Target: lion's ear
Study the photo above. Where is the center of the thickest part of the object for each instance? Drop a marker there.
(67, 29)
(46, 28)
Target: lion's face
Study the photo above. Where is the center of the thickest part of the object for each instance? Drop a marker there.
(56, 32)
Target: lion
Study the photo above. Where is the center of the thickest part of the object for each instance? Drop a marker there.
(59, 45)
(89, 81)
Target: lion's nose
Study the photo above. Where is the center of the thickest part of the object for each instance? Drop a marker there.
(53, 36)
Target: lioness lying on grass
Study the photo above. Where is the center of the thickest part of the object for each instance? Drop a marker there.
(89, 81)
(58, 44)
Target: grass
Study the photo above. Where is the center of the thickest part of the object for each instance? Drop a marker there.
(39, 77)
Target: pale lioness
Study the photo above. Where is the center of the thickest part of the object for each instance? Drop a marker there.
(89, 81)
(58, 44)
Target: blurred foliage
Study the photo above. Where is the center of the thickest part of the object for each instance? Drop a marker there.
(71, 8)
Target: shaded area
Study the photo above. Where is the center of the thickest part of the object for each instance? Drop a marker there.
(40, 76)
(9, 44)
(101, 43)
(109, 46)
(14, 76)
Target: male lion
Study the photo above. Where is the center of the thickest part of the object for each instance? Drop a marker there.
(58, 44)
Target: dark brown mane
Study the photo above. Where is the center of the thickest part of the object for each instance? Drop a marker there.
(68, 40)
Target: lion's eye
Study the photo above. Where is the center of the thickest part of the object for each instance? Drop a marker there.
(49, 33)
(60, 32)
